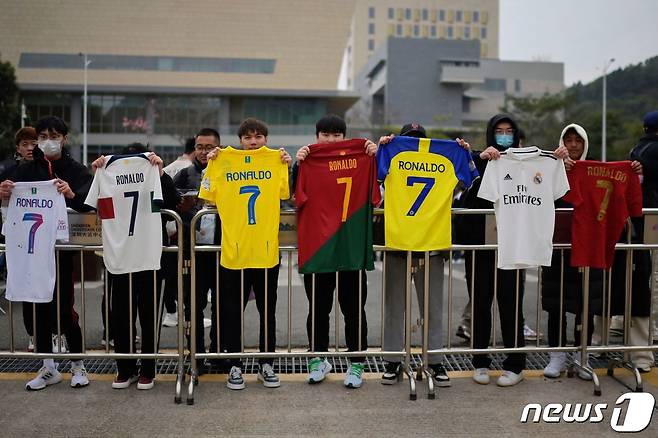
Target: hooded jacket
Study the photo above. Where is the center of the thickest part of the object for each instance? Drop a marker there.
(66, 168)
(469, 229)
(646, 152)
(573, 279)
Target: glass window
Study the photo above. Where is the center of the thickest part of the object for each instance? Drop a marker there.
(425, 14)
(476, 16)
(517, 85)
(495, 84)
(450, 32)
(416, 30)
(399, 30)
(371, 28)
(433, 31)
(407, 14)
(483, 33)
(371, 44)
(467, 32)
(458, 15)
(391, 13)
(442, 15)
(371, 12)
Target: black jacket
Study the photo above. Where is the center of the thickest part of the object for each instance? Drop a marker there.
(646, 152)
(66, 168)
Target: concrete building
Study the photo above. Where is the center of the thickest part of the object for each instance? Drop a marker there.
(443, 83)
(374, 21)
(161, 70)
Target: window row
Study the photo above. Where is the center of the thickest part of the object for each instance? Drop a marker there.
(435, 15)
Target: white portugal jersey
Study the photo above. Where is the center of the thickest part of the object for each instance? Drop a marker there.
(523, 185)
(36, 217)
(127, 194)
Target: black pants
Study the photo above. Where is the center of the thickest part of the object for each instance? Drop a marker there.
(482, 296)
(348, 299)
(554, 329)
(46, 313)
(169, 273)
(206, 278)
(144, 304)
(230, 300)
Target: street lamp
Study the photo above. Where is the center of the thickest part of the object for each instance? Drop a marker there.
(604, 110)
(84, 110)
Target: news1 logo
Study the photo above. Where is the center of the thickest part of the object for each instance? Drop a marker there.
(632, 412)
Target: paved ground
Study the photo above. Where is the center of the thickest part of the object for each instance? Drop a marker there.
(298, 409)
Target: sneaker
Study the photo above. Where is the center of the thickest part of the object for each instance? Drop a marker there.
(170, 320)
(392, 371)
(481, 376)
(121, 382)
(145, 383)
(529, 334)
(207, 323)
(56, 344)
(617, 325)
(78, 376)
(30, 344)
(267, 375)
(557, 365)
(582, 374)
(440, 375)
(104, 342)
(45, 377)
(463, 332)
(353, 378)
(643, 369)
(318, 370)
(509, 378)
(235, 380)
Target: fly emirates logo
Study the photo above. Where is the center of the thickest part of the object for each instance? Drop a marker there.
(632, 412)
(521, 197)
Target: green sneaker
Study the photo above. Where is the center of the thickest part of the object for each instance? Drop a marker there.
(318, 369)
(353, 378)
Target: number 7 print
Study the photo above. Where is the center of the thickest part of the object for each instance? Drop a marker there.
(254, 192)
(38, 221)
(429, 183)
(346, 197)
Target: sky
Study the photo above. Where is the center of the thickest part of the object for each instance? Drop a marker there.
(583, 34)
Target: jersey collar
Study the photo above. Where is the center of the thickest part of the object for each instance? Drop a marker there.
(521, 154)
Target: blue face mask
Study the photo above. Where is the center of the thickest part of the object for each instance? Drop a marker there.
(504, 140)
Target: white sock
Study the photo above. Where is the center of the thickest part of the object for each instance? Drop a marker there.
(49, 363)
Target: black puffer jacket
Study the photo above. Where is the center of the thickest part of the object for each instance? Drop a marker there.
(66, 168)
(646, 152)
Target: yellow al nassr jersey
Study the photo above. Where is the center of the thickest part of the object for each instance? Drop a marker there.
(247, 186)
(419, 177)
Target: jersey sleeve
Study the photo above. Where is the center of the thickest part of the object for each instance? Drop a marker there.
(94, 190)
(284, 185)
(465, 171)
(383, 160)
(157, 185)
(207, 189)
(300, 194)
(560, 181)
(62, 220)
(573, 197)
(376, 194)
(489, 185)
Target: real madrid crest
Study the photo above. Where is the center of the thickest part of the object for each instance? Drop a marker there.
(537, 178)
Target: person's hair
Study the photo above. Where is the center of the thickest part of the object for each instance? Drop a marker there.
(521, 135)
(189, 145)
(572, 131)
(135, 148)
(208, 132)
(331, 124)
(51, 124)
(250, 125)
(27, 133)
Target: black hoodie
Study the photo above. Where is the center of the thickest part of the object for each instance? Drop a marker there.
(65, 168)
(469, 229)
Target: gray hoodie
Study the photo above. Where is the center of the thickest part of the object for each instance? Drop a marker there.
(581, 131)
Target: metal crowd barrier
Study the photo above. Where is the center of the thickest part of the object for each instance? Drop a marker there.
(81, 248)
(423, 372)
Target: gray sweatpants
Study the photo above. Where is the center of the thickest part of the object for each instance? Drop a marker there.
(394, 302)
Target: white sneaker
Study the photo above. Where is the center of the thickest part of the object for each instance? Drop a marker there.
(267, 375)
(318, 369)
(557, 365)
(45, 377)
(78, 376)
(235, 380)
(509, 378)
(481, 376)
(56, 344)
(170, 320)
(207, 323)
(353, 378)
(529, 334)
(582, 374)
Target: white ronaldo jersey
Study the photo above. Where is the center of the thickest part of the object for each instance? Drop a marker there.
(523, 185)
(127, 194)
(36, 217)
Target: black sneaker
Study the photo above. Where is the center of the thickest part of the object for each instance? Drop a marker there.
(235, 380)
(440, 376)
(464, 333)
(392, 373)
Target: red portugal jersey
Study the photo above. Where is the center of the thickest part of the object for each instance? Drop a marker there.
(604, 195)
(336, 189)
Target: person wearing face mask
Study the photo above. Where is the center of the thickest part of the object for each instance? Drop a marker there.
(52, 160)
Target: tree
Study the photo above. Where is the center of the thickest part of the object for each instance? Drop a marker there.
(541, 118)
(9, 108)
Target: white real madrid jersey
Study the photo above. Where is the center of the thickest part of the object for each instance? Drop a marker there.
(523, 185)
(36, 217)
(127, 194)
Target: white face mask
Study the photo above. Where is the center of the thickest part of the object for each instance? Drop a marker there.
(50, 148)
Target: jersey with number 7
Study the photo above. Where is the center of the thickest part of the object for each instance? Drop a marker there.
(419, 177)
(604, 195)
(336, 190)
(247, 186)
(127, 195)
